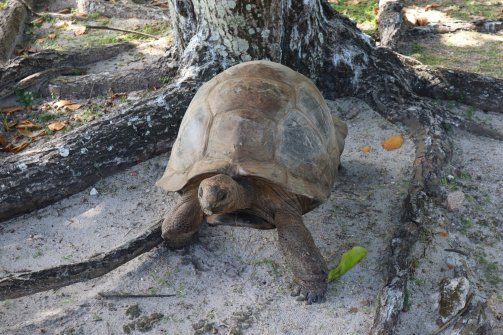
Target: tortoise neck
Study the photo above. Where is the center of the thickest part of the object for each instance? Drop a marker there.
(244, 195)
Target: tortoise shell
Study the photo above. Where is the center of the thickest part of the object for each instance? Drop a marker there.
(259, 119)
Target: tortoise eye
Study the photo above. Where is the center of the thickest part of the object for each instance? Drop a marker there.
(221, 195)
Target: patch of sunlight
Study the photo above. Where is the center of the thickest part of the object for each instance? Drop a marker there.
(412, 13)
(469, 39)
(46, 314)
(91, 213)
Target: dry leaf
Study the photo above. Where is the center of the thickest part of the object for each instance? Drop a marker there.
(15, 148)
(3, 140)
(11, 109)
(31, 134)
(393, 142)
(366, 149)
(39, 20)
(375, 10)
(73, 106)
(26, 124)
(62, 103)
(10, 124)
(40, 40)
(442, 233)
(79, 30)
(421, 21)
(352, 2)
(58, 125)
(65, 11)
(52, 36)
(80, 14)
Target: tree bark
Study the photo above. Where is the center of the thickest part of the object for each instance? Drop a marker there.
(390, 22)
(11, 26)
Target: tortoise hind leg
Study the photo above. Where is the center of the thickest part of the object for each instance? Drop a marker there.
(307, 264)
(182, 223)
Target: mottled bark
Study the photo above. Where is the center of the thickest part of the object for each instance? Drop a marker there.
(11, 26)
(22, 67)
(390, 22)
(92, 85)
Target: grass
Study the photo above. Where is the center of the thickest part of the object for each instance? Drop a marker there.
(3, 4)
(491, 270)
(464, 50)
(360, 11)
(464, 9)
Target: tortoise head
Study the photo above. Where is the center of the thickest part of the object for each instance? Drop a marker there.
(221, 194)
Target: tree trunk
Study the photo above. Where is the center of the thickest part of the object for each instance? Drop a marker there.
(307, 36)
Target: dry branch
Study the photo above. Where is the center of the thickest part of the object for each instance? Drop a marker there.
(22, 284)
(122, 30)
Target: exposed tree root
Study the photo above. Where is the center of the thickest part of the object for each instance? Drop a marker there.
(152, 76)
(469, 88)
(433, 151)
(64, 166)
(390, 22)
(22, 67)
(119, 10)
(26, 283)
(11, 26)
(485, 26)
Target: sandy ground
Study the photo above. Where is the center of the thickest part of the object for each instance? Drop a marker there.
(234, 280)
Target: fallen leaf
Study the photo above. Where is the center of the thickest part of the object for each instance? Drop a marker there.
(352, 2)
(353, 310)
(9, 125)
(80, 14)
(39, 20)
(40, 40)
(79, 30)
(348, 260)
(58, 125)
(65, 11)
(3, 140)
(11, 109)
(366, 149)
(52, 36)
(62, 103)
(421, 21)
(375, 10)
(73, 106)
(442, 233)
(15, 148)
(23, 124)
(31, 134)
(393, 142)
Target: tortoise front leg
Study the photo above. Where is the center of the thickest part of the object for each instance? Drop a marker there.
(181, 224)
(307, 264)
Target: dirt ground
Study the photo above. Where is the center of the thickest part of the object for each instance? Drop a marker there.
(234, 280)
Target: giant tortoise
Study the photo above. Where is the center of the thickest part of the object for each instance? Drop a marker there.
(257, 147)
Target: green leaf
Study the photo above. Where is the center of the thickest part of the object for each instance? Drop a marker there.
(348, 260)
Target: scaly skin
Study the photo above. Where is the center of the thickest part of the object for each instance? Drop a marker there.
(221, 194)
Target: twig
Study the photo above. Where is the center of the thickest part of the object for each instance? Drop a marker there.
(123, 30)
(127, 295)
(457, 251)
